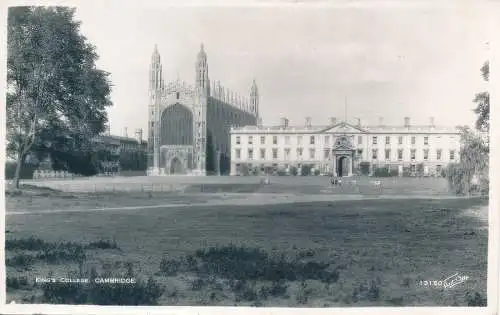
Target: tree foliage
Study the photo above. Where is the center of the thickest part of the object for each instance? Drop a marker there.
(483, 102)
(56, 97)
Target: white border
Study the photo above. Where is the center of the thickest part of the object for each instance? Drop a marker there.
(494, 206)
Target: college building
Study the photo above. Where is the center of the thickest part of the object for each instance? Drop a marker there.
(188, 128)
(343, 148)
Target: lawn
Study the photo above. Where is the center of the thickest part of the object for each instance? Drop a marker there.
(376, 250)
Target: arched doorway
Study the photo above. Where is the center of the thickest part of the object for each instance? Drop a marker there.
(176, 166)
(343, 166)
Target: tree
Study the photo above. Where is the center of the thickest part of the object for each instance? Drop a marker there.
(56, 97)
(483, 103)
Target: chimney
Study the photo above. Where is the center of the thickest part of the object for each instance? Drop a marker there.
(333, 120)
(138, 135)
(284, 122)
(407, 122)
(431, 121)
(125, 134)
(381, 121)
(358, 122)
(308, 122)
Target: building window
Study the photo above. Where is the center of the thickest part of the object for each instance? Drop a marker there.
(238, 140)
(327, 140)
(400, 154)
(374, 140)
(426, 154)
(250, 140)
(360, 152)
(412, 140)
(262, 154)
(311, 140)
(327, 153)
(275, 154)
(360, 140)
(262, 140)
(400, 140)
(299, 152)
(238, 154)
(374, 154)
(312, 154)
(387, 140)
(426, 140)
(438, 154)
(250, 154)
(387, 154)
(287, 153)
(287, 140)
(413, 154)
(275, 139)
(452, 154)
(299, 140)
(413, 168)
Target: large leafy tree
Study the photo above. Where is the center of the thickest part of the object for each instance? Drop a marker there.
(483, 102)
(56, 98)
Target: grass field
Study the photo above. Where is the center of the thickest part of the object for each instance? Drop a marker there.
(340, 252)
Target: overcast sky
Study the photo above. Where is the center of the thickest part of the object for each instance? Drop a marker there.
(388, 61)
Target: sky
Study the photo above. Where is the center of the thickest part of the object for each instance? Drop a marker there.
(382, 61)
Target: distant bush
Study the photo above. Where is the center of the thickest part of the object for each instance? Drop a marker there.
(281, 172)
(305, 170)
(420, 169)
(275, 289)
(364, 168)
(62, 254)
(24, 261)
(26, 171)
(381, 172)
(458, 179)
(293, 170)
(31, 243)
(244, 169)
(317, 172)
(102, 244)
(15, 283)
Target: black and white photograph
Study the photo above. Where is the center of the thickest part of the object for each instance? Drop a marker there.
(265, 155)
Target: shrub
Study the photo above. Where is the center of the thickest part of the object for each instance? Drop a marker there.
(458, 179)
(21, 260)
(169, 267)
(293, 170)
(281, 172)
(317, 172)
(305, 170)
(381, 172)
(476, 299)
(62, 253)
(31, 243)
(420, 169)
(364, 168)
(244, 169)
(14, 283)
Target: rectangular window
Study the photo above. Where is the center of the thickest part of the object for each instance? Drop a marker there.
(452, 154)
(438, 154)
(412, 140)
(387, 140)
(299, 140)
(262, 140)
(250, 140)
(327, 140)
(299, 152)
(400, 140)
(327, 154)
(387, 154)
(238, 154)
(287, 153)
(426, 154)
(374, 154)
(312, 154)
(360, 140)
(250, 154)
(400, 154)
(413, 154)
(275, 139)
(262, 154)
(374, 140)
(426, 140)
(238, 140)
(287, 140)
(311, 140)
(275, 154)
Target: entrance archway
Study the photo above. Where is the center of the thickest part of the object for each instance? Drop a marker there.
(176, 166)
(343, 166)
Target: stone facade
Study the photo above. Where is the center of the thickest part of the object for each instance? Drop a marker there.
(189, 125)
(340, 147)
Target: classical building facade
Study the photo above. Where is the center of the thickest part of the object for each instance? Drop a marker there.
(189, 124)
(340, 148)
